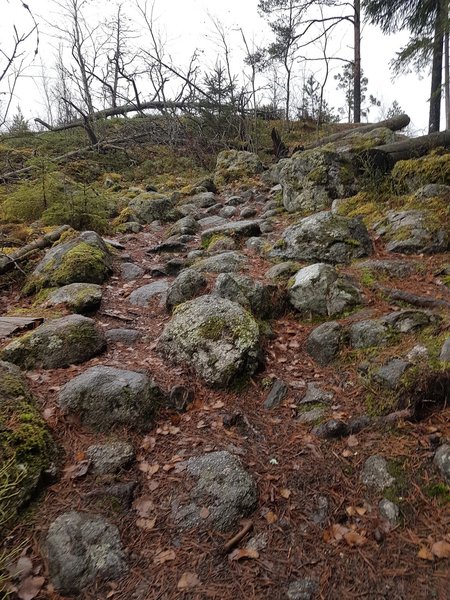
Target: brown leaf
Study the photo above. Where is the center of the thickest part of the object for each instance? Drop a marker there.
(352, 441)
(241, 553)
(146, 467)
(347, 453)
(148, 443)
(188, 581)
(77, 470)
(354, 539)
(204, 512)
(271, 517)
(21, 569)
(143, 506)
(145, 523)
(30, 588)
(335, 533)
(164, 556)
(425, 554)
(441, 549)
(285, 493)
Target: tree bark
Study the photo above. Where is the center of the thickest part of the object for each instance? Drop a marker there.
(415, 147)
(9, 262)
(395, 124)
(357, 63)
(436, 69)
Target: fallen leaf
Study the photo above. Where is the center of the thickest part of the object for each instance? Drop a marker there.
(21, 569)
(145, 467)
(77, 470)
(188, 581)
(285, 493)
(425, 554)
(218, 404)
(347, 453)
(361, 510)
(441, 549)
(271, 517)
(204, 512)
(354, 539)
(30, 588)
(148, 443)
(241, 553)
(143, 506)
(335, 533)
(49, 413)
(145, 523)
(164, 556)
(352, 441)
(168, 467)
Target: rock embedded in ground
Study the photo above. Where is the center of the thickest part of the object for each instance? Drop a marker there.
(27, 449)
(276, 395)
(409, 320)
(84, 259)
(80, 298)
(227, 262)
(186, 286)
(221, 244)
(55, 344)
(312, 179)
(282, 270)
(302, 589)
(151, 206)
(222, 487)
(130, 271)
(212, 222)
(144, 295)
(445, 351)
(414, 232)
(109, 457)
(389, 267)
(251, 294)
(227, 212)
(389, 511)
(82, 548)
(320, 290)
(390, 375)
(316, 395)
(122, 335)
(368, 333)
(324, 237)
(185, 226)
(215, 336)
(375, 474)
(235, 229)
(325, 342)
(442, 461)
(106, 397)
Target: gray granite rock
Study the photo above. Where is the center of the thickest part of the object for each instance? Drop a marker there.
(324, 342)
(123, 335)
(375, 474)
(186, 286)
(145, 294)
(82, 298)
(109, 457)
(246, 291)
(390, 374)
(302, 589)
(389, 511)
(276, 395)
(442, 461)
(226, 262)
(130, 271)
(82, 548)
(413, 232)
(445, 351)
(222, 486)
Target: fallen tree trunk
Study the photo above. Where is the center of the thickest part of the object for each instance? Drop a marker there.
(126, 108)
(415, 147)
(8, 262)
(394, 124)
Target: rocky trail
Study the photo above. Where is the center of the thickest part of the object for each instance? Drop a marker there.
(283, 433)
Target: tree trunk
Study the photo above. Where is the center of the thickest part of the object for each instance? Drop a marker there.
(357, 63)
(415, 147)
(395, 124)
(8, 262)
(436, 69)
(447, 76)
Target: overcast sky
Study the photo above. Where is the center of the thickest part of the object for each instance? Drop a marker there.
(187, 25)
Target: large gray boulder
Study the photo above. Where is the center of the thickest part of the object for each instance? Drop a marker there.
(311, 180)
(217, 337)
(246, 291)
(84, 259)
(325, 342)
(185, 287)
(235, 229)
(144, 295)
(320, 290)
(235, 164)
(324, 237)
(105, 397)
(414, 232)
(151, 206)
(222, 486)
(78, 297)
(58, 343)
(109, 457)
(225, 262)
(81, 548)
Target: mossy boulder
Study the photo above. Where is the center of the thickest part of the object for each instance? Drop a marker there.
(324, 237)
(217, 337)
(234, 229)
(234, 164)
(84, 259)
(26, 446)
(311, 180)
(151, 206)
(58, 343)
(415, 231)
(78, 297)
(409, 175)
(249, 293)
(105, 397)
